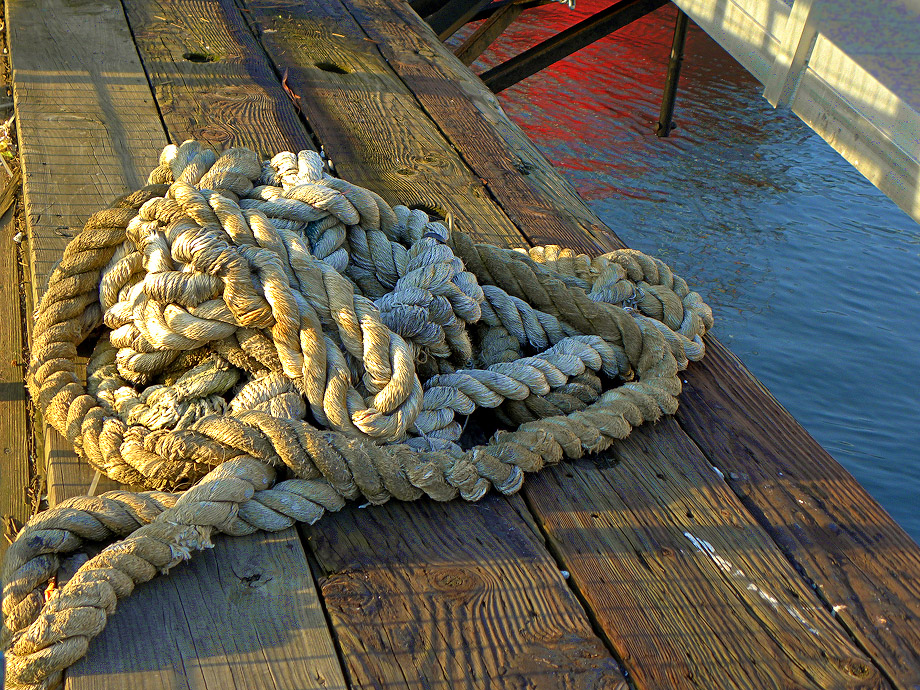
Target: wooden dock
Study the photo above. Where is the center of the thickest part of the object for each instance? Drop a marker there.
(721, 548)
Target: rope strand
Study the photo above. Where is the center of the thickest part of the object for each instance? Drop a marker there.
(266, 318)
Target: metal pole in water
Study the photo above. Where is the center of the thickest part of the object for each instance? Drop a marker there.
(664, 126)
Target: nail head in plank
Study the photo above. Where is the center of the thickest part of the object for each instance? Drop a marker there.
(101, 85)
(541, 202)
(211, 78)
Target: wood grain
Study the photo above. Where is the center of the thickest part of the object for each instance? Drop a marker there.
(211, 79)
(452, 596)
(75, 67)
(423, 638)
(88, 132)
(17, 475)
(537, 198)
(244, 615)
(889, 620)
(368, 121)
(688, 588)
(88, 128)
(248, 615)
(391, 37)
(862, 564)
(463, 111)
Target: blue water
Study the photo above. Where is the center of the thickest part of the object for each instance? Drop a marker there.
(813, 274)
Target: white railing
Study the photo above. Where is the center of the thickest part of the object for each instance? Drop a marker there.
(850, 69)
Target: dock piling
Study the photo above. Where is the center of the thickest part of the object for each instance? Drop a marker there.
(665, 117)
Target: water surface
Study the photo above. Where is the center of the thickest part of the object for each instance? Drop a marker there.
(812, 272)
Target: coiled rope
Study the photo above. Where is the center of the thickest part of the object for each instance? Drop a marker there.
(266, 318)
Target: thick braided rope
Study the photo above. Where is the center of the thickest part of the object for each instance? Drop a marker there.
(232, 292)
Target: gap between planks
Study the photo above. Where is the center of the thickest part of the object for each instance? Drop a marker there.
(655, 540)
(419, 61)
(380, 654)
(609, 239)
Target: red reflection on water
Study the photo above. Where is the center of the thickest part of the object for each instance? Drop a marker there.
(617, 79)
(597, 108)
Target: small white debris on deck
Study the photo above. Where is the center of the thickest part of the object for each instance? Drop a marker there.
(727, 567)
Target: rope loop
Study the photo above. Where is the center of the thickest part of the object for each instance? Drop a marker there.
(264, 318)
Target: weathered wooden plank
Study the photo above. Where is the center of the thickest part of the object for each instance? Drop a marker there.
(249, 611)
(689, 589)
(542, 204)
(892, 642)
(88, 131)
(17, 475)
(861, 562)
(369, 122)
(374, 656)
(244, 615)
(454, 596)
(484, 36)
(447, 21)
(211, 79)
(205, 103)
(367, 14)
(431, 74)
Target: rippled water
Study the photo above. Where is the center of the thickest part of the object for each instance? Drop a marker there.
(811, 271)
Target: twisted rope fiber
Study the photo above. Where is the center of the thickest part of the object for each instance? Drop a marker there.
(267, 317)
